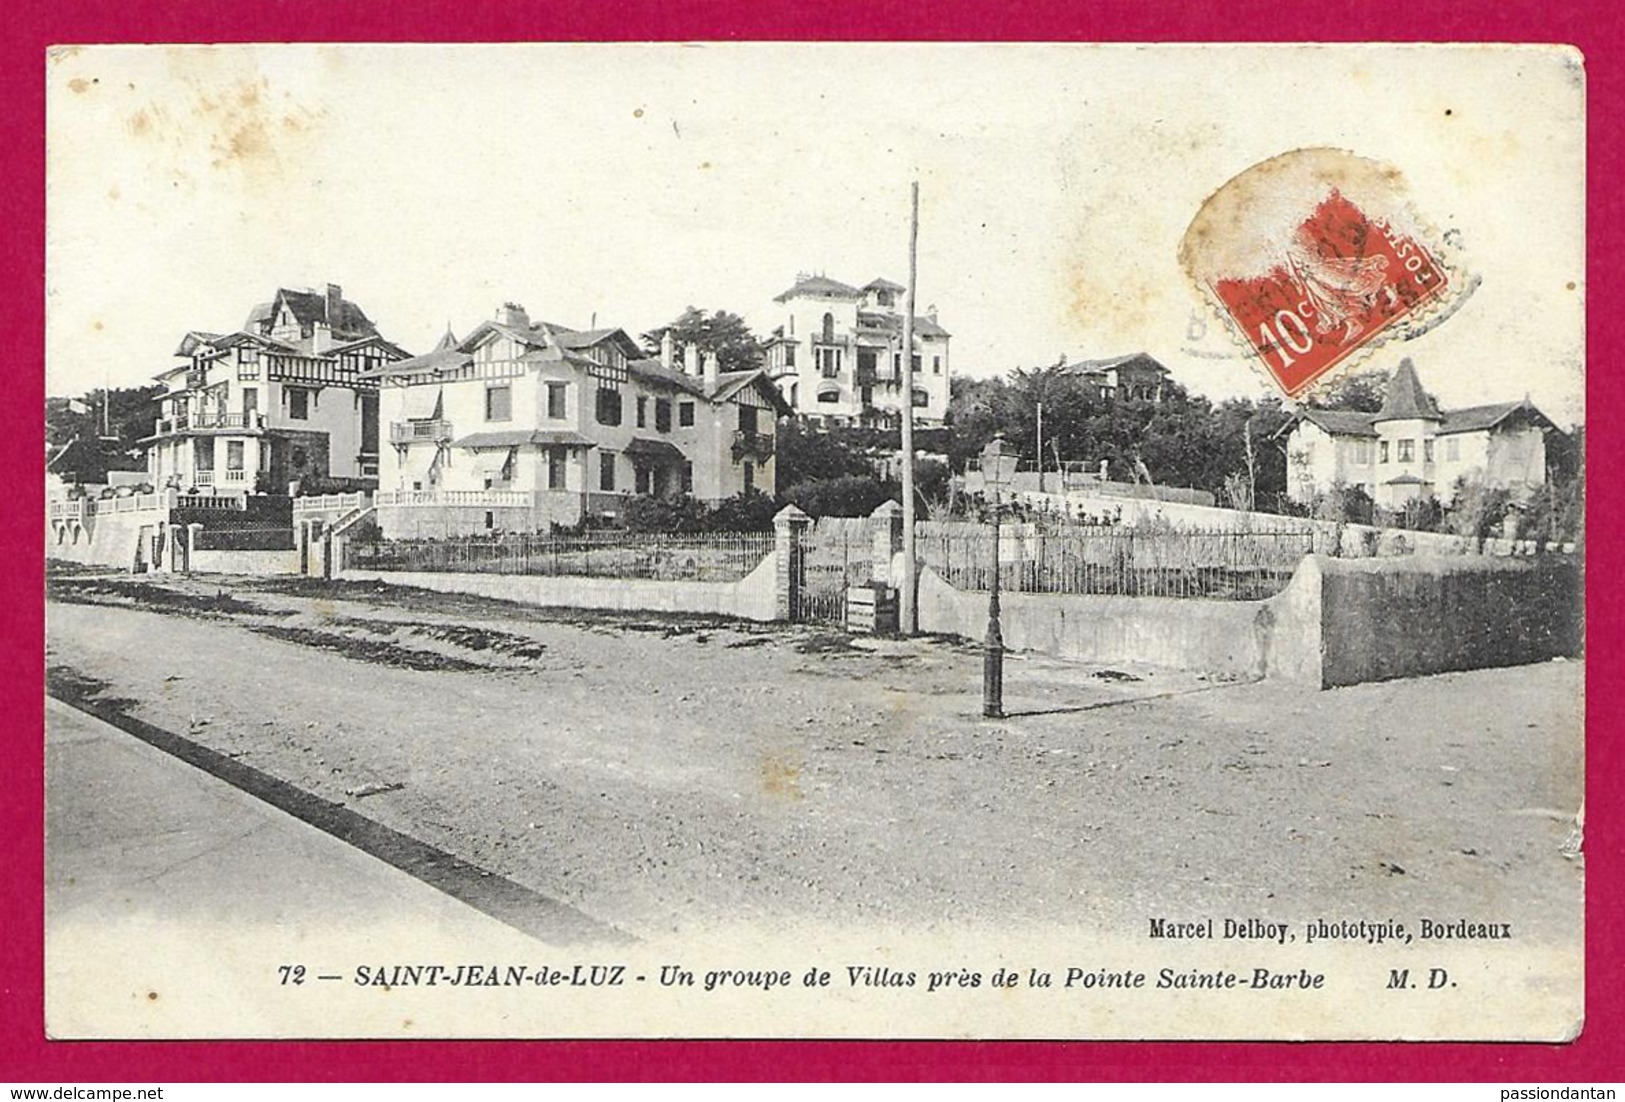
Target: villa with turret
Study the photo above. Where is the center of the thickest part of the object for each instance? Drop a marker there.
(837, 358)
(1411, 449)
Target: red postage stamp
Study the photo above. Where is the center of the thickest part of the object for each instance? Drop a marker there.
(1306, 272)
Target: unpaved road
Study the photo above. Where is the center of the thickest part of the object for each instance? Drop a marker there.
(663, 774)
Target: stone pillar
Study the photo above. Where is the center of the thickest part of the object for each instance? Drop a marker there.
(886, 530)
(790, 558)
(177, 555)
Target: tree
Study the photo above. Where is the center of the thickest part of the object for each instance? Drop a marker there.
(851, 496)
(130, 416)
(1477, 510)
(1344, 504)
(1358, 391)
(804, 456)
(723, 333)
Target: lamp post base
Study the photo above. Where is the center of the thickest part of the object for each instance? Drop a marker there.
(993, 674)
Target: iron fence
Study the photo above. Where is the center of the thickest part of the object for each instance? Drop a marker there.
(1241, 566)
(704, 557)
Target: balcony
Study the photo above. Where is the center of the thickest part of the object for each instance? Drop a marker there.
(210, 422)
(419, 432)
(488, 499)
(753, 445)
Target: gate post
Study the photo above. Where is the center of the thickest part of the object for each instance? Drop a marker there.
(790, 562)
(886, 534)
(177, 553)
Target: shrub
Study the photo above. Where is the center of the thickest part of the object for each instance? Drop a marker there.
(751, 511)
(1477, 510)
(848, 496)
(655, 514)
(1344, 504)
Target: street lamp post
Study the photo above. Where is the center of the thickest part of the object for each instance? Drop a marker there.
(998, 470)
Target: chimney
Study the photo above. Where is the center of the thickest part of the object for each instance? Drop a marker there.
(335, 296)
(668, 349)
(513, 314)
(711, 372)
(691, 359)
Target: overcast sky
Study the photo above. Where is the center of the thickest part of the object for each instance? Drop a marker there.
(628, 182)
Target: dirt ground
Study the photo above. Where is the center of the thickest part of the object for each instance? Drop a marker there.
(666, 773)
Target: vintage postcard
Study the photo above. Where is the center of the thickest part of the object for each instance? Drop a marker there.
(815, 541)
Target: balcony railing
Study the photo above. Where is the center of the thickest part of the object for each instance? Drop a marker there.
(753, 445)
(488, 499)
(416, 432)
(77, 508)
(189, 422)
(336, 504)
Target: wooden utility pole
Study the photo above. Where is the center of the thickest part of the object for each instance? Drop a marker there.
(1039, 450)
(908, 613)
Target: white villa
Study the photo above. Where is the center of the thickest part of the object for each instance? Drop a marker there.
(284, 399)
(523, 424)
(1411, 449)
(838, 356)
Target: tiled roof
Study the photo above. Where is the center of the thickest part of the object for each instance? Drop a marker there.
(820, 285)
(311, 306)
(652, 370)
(193, 338)
(1475, 418)
(654, 449)
(386, 345)
(883, 285)
(1341, 422)
(1406, 400)
(1090, 367)
(730, 383)
(1471, 419)
(580, 338)
(893, 323)
(517, 437)
(441, 359)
